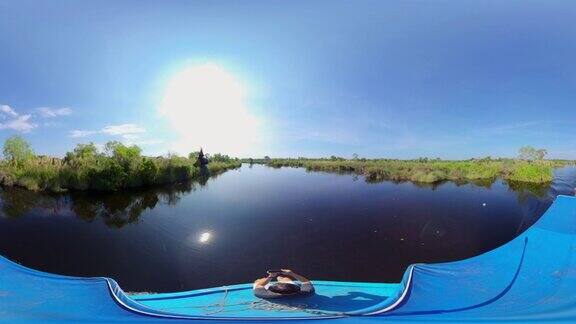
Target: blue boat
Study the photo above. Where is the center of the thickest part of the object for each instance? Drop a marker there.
(531, 278)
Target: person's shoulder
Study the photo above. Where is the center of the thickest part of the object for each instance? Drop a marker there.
(307, 287)
(264, 293)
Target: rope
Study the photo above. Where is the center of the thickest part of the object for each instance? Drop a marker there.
(221, 304)
(261, 305)
(302, 307)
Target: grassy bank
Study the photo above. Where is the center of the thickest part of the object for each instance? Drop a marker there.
(118, 167)
(432, 171)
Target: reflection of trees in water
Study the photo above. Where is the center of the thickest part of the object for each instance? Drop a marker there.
(486, 183)
(115, 209)
(533, 198)
(18, 201)
(527, 190)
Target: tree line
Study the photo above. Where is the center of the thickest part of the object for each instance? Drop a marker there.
(117, 167)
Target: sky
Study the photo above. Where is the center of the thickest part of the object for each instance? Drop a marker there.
(397, 79)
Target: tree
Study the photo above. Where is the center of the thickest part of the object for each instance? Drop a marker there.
(17, 150)
(111, 177)
(541, 153)
(530, 153)
(193, 155)
(147, 171)
(355, 156)
(526, 153)
(82, 152)
(218, 157)
(125, 155)
(86, 150)
(83, 155)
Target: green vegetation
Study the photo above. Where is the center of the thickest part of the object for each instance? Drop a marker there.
(530, 153)
(17, 151)
(530, 167)
(85, 168)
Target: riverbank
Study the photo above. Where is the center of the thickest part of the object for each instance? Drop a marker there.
(119, 167)
(106, 175)
(433, 171)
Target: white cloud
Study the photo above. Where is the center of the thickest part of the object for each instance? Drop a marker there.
(12, 120)
(81, 133)
(150, 142)
(130, 133)
(130, 136)
(123, 129)
(144, 142)
(8, 111)
(20, 123)
(48, 112)
(52, 124)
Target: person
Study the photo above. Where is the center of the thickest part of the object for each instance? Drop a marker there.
(287, 284)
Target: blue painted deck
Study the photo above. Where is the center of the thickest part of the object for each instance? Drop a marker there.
(331, 298)
(531, 278)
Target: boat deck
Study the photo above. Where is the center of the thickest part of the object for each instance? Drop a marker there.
(331, 298)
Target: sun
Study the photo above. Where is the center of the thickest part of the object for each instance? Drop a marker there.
(207, 107)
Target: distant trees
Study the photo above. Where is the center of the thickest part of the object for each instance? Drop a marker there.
(84, 151)
(218, 157)
(82, 154)
(147, 171)
(17, 150)
(193, 155)
(117, 167)
(530, 153)
(125, 155)
(541, 153)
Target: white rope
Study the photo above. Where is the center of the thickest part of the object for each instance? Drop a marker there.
(262, 305)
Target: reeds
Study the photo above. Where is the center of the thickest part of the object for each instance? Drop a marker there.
(431, 171)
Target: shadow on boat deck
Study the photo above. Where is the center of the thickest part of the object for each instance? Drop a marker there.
(351, 301)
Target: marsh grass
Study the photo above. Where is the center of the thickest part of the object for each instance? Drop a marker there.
(432, 171)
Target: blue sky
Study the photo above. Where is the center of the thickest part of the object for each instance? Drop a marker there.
(401, 79)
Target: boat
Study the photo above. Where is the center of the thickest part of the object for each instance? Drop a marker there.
(531, 278)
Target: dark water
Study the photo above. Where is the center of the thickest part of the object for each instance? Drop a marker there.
(327, 226)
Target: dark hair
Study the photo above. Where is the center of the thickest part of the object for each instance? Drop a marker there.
(284, 288)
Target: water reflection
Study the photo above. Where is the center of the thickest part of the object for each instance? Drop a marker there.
(205, 237)
(115, 209)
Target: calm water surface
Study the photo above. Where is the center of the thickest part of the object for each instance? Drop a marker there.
(235, 226)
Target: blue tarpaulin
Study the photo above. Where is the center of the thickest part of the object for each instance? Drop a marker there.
(531, 278)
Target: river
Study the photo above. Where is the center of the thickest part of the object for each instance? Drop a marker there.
(233, 227)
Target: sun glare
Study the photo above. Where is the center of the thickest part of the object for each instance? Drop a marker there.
(205, 237)
(207, 106)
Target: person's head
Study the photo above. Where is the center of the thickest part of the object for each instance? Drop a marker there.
(284, 288)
